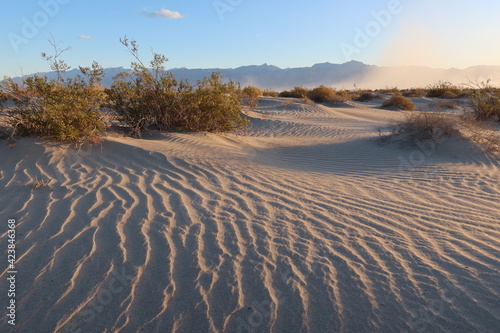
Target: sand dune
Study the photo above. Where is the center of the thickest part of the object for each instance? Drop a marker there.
(303, 223)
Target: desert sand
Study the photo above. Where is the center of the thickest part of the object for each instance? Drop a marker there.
(305, 222)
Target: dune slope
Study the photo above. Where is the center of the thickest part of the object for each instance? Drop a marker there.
(303, 223)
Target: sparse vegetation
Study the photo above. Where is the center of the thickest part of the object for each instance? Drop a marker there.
(443, 90)
(425, 125)
(366, 96)
(399, 102)
(436, 125)
(270, 93)
(415, 92)
(485, 101)
(296, 92)
(389, 90)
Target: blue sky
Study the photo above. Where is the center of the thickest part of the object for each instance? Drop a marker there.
(232, 33)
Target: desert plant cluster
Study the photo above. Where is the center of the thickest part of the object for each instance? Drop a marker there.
(78, 110)
(71, 110)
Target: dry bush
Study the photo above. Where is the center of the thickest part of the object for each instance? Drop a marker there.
(483, 133)
(443, 90)
(399, 102)
(388, 90)
(338, 99)
(296, 92)
(367, 96)
(251, 91)
(435, 125)
(425, 125)
(270, 93)
(415, 92)
(321, 94)
(485, 101)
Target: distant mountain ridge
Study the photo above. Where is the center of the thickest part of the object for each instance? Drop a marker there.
(347, 75)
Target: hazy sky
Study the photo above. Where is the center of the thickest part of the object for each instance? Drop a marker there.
(232, 33)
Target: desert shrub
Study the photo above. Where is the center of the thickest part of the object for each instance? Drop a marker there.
(296, 92)
(213, 106)
(285, 93)
(425, 126)
(147, 97)
(321, 94)
(485, 105)
(270, 93)
(251, 91)
(389, 90)
(415, 92)
(399, 102)
(63, 109)
(340, 97)
(443, 90)
(366, 96)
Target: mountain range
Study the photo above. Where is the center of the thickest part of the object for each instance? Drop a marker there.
(349, 75)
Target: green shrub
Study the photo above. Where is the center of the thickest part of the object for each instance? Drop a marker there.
(270, 93)
(399, 102)
(214, 106)
(443, 90)
(321, 94)
(65, 110)
(251, 91)
(153, 96)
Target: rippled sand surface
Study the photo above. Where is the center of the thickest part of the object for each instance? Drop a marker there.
(303, 223)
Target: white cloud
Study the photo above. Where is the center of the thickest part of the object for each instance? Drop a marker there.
(164, 13)
(85, 37)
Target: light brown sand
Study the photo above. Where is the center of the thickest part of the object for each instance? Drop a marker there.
(304, 223)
